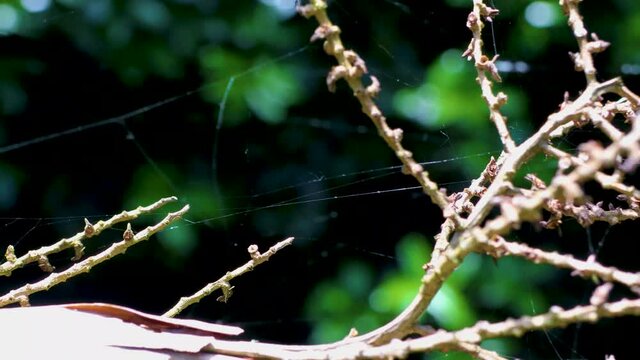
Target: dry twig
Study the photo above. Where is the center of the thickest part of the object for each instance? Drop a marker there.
(75, 242)
(223, 283)
(21, 294)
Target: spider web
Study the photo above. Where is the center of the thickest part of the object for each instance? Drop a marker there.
(322, 174)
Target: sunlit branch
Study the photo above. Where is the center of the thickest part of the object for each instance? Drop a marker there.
(75, 241)
(583, 61)
(516, 205)
(257, 258)
(555, 318)
(499, 247)
(440, 340)
(609, 182)
(129, 239)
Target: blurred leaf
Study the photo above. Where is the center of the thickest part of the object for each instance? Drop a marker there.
(466, 272)
(357, 277)
(393, 294)
(179, 242)
(629, 32)
(328, 305)
(518, 119)
(451, 308)
(13, 100)
(449, 355)
(413, 251)
(263, 27)
(436, 103)
(333, 300)
(219, 66)
(327, 331)
(151, 14)
(204, 201)
(458, 3)
(338, 305)
(147, 186)
(398, 288)
(269, 93)
(273, 92)
(511, 282)
(543, 14)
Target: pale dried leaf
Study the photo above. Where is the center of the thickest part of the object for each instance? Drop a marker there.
(103, 331)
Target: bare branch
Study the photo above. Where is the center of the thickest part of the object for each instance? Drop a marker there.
(486, 65)
(87, 264)
(223, 283)
(75, 241)
(499, 247)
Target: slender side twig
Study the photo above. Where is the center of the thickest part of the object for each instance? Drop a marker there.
(351, 68)
(604, 124)
(75, 241)
(499, 247)
(583, 61)
(223, 283)
(609, 182)
(485, 65)
(588, 212)
(563, 186)
(129, 239)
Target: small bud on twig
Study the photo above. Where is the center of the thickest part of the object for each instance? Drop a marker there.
(227, 291)
(78, 250)
(352, 333)
(24, 301)
(89, 230)
(10, 254)
(128, 234)
(44, 264)
(601, 294)
(253, 251)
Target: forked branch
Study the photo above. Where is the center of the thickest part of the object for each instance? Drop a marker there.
(129, 239)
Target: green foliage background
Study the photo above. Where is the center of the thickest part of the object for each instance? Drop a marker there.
(235, 119)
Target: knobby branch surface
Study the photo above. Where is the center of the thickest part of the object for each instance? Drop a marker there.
(351, 68)
(75, 242)
(22, 294)
(257, 258)
(587, 269)
(468, 227)
(486, 65)
(555, 318)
